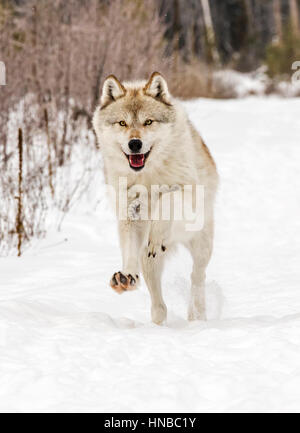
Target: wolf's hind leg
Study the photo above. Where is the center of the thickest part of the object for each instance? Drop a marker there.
(152, 271)
(201, 250)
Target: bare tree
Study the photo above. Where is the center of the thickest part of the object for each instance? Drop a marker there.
(210, 33)
(277, 18)
(294, 12)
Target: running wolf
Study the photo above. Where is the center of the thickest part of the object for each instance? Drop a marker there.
(146, 137)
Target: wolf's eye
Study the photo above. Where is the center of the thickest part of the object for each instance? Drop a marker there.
(148, 122)
(122, 123)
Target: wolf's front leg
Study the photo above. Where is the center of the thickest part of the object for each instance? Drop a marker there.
(161, 229)
(133, 237)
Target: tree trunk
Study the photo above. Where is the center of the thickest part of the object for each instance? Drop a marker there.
(250, 18)
(277, 19)
(294, 12)
(210, 33)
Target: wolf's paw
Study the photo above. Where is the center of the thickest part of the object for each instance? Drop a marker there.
(124, 283)
(196, 312)
(159, 314)
(155, 249)
(138, 203)
(134, 210)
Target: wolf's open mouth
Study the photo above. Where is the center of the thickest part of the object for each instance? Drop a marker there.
(137, 161)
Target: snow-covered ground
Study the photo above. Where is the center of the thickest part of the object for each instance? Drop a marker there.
(68, 343)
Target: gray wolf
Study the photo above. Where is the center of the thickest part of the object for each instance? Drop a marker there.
(146, 137)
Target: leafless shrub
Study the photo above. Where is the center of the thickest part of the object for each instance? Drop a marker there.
(57, 55)
(191, 81)
(19, 221)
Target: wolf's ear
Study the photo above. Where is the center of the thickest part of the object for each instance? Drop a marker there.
(112, 90)
(157, 87)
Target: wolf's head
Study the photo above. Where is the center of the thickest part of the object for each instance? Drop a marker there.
(134, 121)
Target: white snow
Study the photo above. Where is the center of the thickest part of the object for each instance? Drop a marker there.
(68, 343)
(233, 84)
(228, 83)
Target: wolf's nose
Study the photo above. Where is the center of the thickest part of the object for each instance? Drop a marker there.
(135, 145)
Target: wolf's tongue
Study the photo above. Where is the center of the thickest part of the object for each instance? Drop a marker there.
(137, 160)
